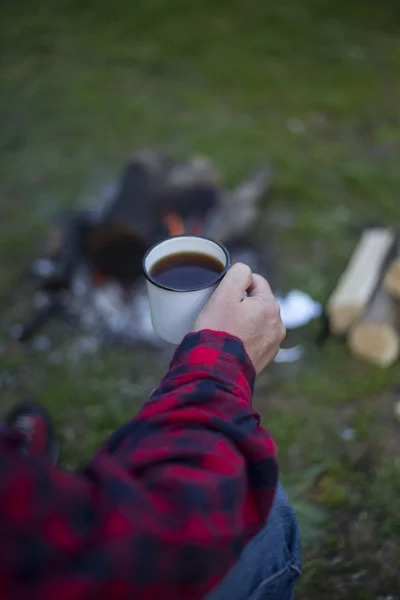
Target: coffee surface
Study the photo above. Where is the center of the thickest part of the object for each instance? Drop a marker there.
(186, 271)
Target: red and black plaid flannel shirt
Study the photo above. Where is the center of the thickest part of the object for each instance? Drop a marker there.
(163, 510)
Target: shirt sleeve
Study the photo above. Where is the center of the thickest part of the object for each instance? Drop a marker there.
(163, 510)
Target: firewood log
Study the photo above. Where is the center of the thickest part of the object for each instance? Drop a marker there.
(392, 279)
(357, 284)
(132, 208)
(238, 209)
(375, 336)
(65, 249)
(117, 243)
(191, 190)
(198, 170)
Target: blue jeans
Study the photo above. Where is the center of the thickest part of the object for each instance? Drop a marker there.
(269, 566)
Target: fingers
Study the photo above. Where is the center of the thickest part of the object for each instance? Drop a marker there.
(259, 287)
(235, 283)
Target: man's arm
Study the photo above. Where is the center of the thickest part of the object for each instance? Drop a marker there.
(163, 510)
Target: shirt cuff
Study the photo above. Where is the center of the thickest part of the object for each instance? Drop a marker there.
(218, 350)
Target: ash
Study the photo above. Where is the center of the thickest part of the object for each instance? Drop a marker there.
(114, 315)
(111, 313)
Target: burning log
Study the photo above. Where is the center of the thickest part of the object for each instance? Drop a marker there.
(238, 210)
(65, 250)
(116, 245)
(196, 171)
(191, 191)
(186, 210)
(360, 279)
(156, 198)
(375, 337)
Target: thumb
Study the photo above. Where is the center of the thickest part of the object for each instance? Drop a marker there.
(235, 283)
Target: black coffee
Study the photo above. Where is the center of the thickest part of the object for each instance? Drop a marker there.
(187, 270)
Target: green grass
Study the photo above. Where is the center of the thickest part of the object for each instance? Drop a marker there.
(312, 86)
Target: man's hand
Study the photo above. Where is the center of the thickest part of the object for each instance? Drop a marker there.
(255, 319)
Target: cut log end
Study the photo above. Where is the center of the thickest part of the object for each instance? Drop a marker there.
(357, 284)
(392, 279)
(378, 343)
(342, 318)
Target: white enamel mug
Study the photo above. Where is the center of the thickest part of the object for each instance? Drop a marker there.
(174, 311)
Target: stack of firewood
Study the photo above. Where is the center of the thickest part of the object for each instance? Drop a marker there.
(365, 304)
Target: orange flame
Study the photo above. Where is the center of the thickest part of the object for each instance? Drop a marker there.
(174, 224)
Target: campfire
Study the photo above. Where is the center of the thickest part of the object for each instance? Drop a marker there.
(92, 269)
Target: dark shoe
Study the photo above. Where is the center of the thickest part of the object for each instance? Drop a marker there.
(34, 425)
